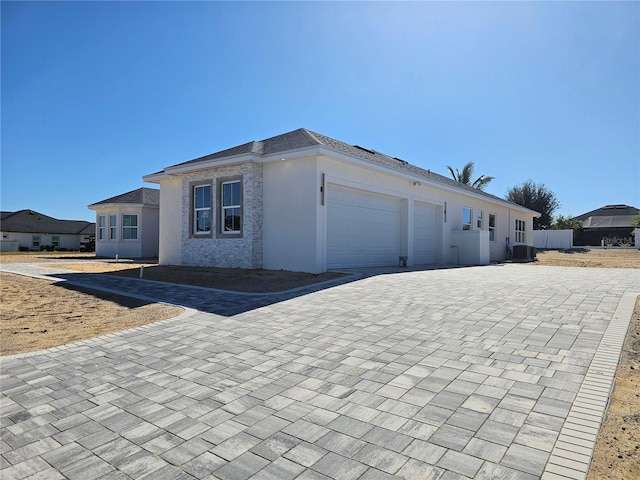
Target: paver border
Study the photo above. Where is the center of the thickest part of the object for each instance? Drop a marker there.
(348, 277)
(572, 453)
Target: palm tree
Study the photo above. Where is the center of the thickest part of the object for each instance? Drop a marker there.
(466, 174)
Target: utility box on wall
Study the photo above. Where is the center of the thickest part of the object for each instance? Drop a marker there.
(472, 247)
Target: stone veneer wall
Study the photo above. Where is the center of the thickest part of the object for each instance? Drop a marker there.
(245, 252)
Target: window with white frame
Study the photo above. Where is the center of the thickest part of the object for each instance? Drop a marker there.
(55, 241)
(492, 227)
(231, 207)
(129, 227)
(113, 227)
(466, 218)
(520, 231)
(102, 227)
(202, 209)
(479, 219)
(35, 241)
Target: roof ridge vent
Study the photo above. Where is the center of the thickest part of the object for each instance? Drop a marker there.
(365, 149)
(404, 162)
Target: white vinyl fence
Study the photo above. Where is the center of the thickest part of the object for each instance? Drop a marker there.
(553, 239)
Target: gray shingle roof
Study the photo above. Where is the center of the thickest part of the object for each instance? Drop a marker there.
(609, 216)
(141, 196)
(29, 221)
(302, 138)
(609, 211)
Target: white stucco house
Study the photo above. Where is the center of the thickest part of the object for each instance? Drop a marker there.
(127, 225)
(302, 201)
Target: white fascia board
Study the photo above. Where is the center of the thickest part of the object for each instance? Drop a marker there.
(112, 205)
(215, 163)
(330, 152)
(520, 208)
(297, 153)
(170, 172)
(155, 177)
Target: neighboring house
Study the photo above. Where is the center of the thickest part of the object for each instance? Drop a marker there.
(302, 201)
(127, 224)
(30, 230)
(609, 225)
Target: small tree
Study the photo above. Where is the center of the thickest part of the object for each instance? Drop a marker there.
(536, 197)
(466, 175)
(569, 223)
(566, 223)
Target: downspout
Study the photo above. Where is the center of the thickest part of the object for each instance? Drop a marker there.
(509, 254)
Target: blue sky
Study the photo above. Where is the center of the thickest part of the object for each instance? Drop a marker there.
(97, 94)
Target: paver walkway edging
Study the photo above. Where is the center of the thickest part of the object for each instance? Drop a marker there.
(572, 454)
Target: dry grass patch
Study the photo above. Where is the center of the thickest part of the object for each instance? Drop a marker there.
(40, 257)
(597, 257)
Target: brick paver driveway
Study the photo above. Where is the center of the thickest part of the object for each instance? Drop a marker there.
(459, 373)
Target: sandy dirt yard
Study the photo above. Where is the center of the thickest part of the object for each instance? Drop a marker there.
(601, 257)
(37, 314)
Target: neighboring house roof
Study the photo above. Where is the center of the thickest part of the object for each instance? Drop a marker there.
(141, 196)
(609, 216)
(29, 221)
(303, 138)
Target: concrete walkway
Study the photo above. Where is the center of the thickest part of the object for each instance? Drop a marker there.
(482, 372)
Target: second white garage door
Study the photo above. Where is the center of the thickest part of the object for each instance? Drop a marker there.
(363, 229)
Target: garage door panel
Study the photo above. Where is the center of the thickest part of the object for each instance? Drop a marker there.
(363, 229)
(424, 234)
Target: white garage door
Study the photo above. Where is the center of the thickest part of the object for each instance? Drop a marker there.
(363, 229)
(424, 234)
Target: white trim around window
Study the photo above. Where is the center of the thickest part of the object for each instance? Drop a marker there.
(113, 227)
(492, 227)
(129, 226)
(201, 202)
(521, 227)
(231, 207)
(102, 227)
